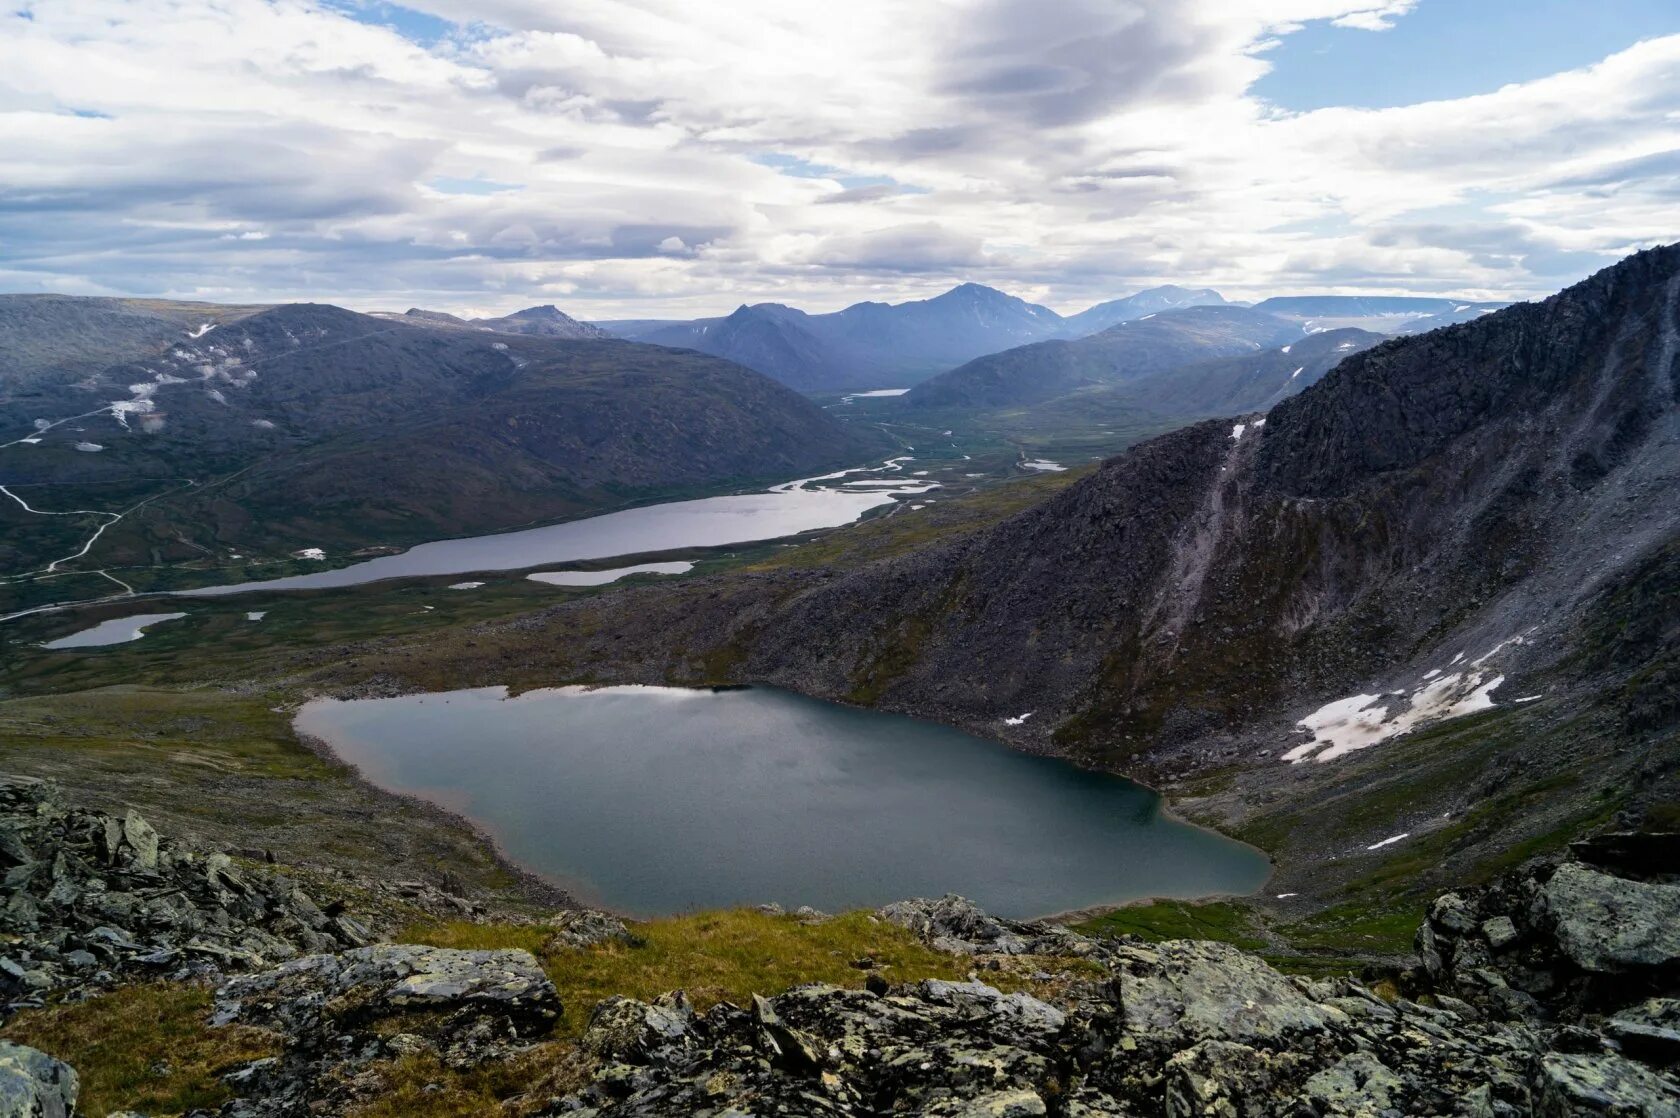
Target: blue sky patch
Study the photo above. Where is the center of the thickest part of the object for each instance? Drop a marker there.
(1445, 49)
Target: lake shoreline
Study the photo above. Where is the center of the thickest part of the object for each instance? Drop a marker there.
(564, 888)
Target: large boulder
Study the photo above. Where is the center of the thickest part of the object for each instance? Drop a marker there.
(391, 979)
(587, 927)
(1605, 1084)
(1607, 924)
(1189, 991)
(958, 926)
(34, 1085)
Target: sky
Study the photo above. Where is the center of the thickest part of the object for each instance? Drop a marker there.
(677, 158)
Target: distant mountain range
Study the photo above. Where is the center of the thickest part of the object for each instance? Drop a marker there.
(867, 345)
(306, 425)
(1152, 301)
(546, 321)
(1121, 354)
(896, 345)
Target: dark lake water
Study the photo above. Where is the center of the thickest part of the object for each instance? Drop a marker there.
(659, 800)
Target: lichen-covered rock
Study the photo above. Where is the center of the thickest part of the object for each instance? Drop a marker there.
(1188, 991)
(386, 980)
(1358, 1085)
(586, 927)
(1650, 1029)
(34, 1085)
(623, 1030)
(957, 925)
(1606, 1084)
(1605, 923)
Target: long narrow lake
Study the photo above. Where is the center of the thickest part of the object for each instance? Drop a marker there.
(783, 510)
(660, 800)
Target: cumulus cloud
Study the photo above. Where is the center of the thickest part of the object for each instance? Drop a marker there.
(641, 157)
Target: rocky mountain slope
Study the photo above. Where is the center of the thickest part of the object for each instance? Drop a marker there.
(1239, 385)
(1550, 992)
(1252, 382)
(50, 338)
(309, 425)
(1119, 355)
(1473, 488)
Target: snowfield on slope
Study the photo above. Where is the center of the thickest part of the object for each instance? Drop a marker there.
(1360, 721)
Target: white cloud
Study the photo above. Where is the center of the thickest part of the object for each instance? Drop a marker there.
(681, 156)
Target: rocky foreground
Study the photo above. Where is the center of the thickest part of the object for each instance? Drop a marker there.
(1555, 991)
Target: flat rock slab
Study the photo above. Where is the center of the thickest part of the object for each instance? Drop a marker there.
(388, 979)
(1607, 924)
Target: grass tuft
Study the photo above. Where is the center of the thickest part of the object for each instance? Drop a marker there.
(148, 1048)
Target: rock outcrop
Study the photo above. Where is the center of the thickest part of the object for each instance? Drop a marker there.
(1552, 992)
(89, 899)
(34, 1085)
(342, 1013)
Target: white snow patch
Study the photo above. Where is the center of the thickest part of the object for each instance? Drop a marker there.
(1389, 841)
(1361, 721)
(1286, 349)
(1044, 465)
(1286, 896)
(33, 440)
(309, 553)
(1297, 372)
(256, 615)
(1259, 423)
(1237, 431)
(89, 448)
(203, 329)
(262, 424)
(465, 585)
(1528, 698)
(1019, 720)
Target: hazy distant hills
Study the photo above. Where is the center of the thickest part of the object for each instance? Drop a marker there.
(890, 345)
(867, 345)
(310, 425)
(1118, 355)
(545, 321)
(1152, 301)
(1382, 313)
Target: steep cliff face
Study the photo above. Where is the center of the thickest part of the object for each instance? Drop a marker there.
(1434, 498)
